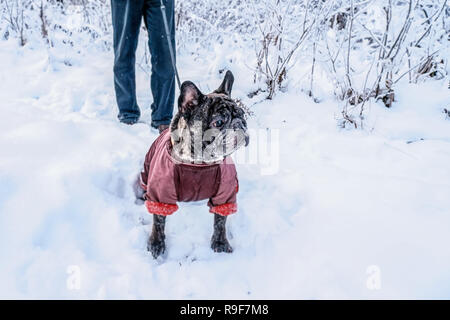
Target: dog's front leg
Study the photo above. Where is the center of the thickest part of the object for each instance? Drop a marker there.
(219, 242)
(156, 244)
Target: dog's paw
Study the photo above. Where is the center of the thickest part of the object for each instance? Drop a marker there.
(221, 246)
(156, 246)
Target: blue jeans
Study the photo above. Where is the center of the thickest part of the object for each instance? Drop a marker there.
(126, 20)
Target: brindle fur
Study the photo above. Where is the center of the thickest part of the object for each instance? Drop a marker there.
(194, 108)
(196, 115)
(156, 243)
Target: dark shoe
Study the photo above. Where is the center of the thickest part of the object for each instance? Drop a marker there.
(162, 127)
(129, 121)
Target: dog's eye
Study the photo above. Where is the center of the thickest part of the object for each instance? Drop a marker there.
(218, 123)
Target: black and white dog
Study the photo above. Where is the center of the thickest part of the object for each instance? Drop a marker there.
(190, 161)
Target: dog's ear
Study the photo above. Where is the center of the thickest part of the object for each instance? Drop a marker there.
(227, 84)
(190, 96)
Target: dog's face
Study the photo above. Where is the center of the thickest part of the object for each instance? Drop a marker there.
(207, 127)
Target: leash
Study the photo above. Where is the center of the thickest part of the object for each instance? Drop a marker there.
(172, 54)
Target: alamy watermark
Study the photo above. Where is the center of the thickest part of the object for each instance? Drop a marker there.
(373, 281)
(73, 281)
(263, 151)
(259, 147)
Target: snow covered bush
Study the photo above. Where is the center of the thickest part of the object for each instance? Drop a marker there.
(76, 23)
(12, 20)
(364, 47)
(205, 23)
(284, 27)
(378, 43)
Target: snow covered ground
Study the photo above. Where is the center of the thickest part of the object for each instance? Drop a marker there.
(338, 214)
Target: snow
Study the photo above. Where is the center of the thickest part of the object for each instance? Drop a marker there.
(337, 202)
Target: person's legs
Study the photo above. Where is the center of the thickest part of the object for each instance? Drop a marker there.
(126, 21)
(163, 75)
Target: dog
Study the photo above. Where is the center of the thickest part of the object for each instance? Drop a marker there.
(190, 161)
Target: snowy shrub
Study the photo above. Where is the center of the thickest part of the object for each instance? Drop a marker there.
(378, 43)
(205, 23)
(71, 22)
(283, 28)
(13, 16)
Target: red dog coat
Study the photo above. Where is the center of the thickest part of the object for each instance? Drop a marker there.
(167, 181)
